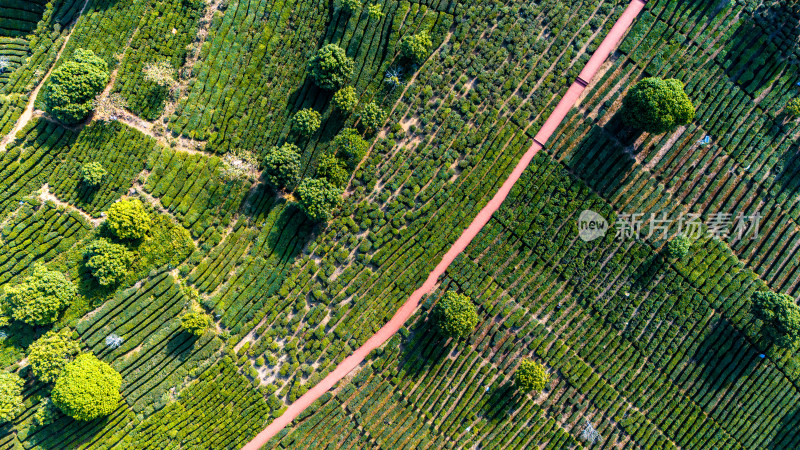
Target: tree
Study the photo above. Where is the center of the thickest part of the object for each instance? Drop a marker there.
(92, 173)
(656, 105)
(87, 388)
(330, 67)
(781, 317)
(72, 87)
(531, 376)
(40, 297)
(306, 122)
(331, 169)
(49, 354)
(345, 99)
(416, 47)
(793, 107)
(350, 145)
(318, 198)
(10, 396)
(282, 165)
(195, 321)
(351, 6)
(455, 315)
(128, 219)
(108, 262)
(372, 116)
(678, 247)
(46, 413)
(375, 10)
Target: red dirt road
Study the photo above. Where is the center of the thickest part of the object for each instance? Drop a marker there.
(610, 42)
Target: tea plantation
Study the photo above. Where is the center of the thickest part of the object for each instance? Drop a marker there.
(207, 205)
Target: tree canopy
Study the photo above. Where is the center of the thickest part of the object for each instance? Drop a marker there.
(781, 317)
(10, 396)
(72, 87)
(39, 298)
(678, 247)
(350, 145)
(318, 198)
(92, 173)
(455, 315)
(330, 68)
(656, 105)
(49, 354)
(282, 165)
(345, 99)
(352, 6)
(793, 107)
(372, 116)
(87, 388)
(195, 322)
(306, 122)
(128, 219)
(416, 47)
(332, 169)
(108, 262)
(531, 376)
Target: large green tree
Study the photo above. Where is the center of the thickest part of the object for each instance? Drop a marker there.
(455, 315)
(372, 116)
(49, 354)
(39, 298)
(87, 388)
(531, 376)
(92, 173)
(108, 262)
(330, 67)
(656, 105)
(781, 317)
(318, 198)
(195, 322)
(10, 396)
(128, 219)
(282, 165)
(416, 47)
(350, 146)
(306, 122)
(72, 87)
(678, 247)
(345, 99)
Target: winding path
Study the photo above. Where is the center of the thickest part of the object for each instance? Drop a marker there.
(610, 42)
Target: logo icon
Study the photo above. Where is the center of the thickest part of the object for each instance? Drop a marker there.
(591, 225)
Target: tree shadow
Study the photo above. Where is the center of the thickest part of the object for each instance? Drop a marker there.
(502, 402)
(181, 344)
(425, 349)
(786, 436)
(601, 161)
(645, 273)
(725, 356)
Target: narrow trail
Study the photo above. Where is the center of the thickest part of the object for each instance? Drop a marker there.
(27, 114)
(609, 44)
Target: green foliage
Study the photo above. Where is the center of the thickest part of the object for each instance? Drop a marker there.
(375, 11)
(282, 165)
(10, 396)
(318, 198)
(46, 413)
(332, 169)
(656, 105)
(350, 145)
(92, 173)
(330, 67)
(87, 388)
(39, 298)
(70, 91)
(793, 107)
(49, 354)
(128, 219)
(351, 6)
(455, 315)
(531, 376)
(416, 47)
(678, 247)
(781, 317)
(195, 322)
(345, 99)
(306, 121)
(108, 262)
(372, 116)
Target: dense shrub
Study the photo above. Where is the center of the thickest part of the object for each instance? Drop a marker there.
(282, 165)
(318, 198)
(351, 6)
(46, 413)
(128, 219)
(345, 99)
(781, 317)
(330, 67)
(455, 315)
(331, 168)
(793, 107)
(10, 396)
(656, 105)
(48, 355)
(372, 116)
(87, 388)
(108, 262)
(350, 145)
(678, 247)
(70, 91)
(306, 122)
(416, 47)
(92, 173)
(39, 298)
(531, 376)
